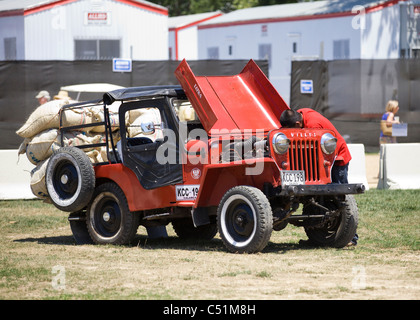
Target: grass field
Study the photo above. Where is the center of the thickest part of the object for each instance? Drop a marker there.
(39, 260)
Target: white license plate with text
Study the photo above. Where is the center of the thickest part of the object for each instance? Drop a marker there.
(292, 177)
(187, 192)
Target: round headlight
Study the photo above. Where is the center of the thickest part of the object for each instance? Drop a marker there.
(280, 143)
(328, 143)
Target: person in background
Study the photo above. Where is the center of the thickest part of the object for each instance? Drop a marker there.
(309, 118)
(389, 118)
(62, 95)
(43, 97)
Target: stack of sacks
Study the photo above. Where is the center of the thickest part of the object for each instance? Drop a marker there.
(186, 112)
(42, 137)
(134, 119)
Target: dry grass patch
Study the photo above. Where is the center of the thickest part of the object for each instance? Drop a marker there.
(36, 239)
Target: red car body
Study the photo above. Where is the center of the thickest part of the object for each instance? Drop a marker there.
(240, 166)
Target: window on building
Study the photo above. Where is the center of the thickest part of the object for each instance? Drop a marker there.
(109, 49)
(86, 50)
(341, 49)
(97, 49)
(264, 53)
(10, 52)
(213, 53)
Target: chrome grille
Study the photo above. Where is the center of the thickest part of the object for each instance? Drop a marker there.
(303, 155)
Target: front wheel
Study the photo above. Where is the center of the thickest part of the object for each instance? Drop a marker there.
(339, 231)
(109, 220)
(245, 220)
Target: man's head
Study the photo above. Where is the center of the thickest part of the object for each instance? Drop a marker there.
(43, 97)
(291, 119)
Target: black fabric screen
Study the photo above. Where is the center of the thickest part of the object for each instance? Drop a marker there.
(353, 95)
(20, 81)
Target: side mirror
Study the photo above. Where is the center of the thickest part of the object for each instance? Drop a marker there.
(147, 127)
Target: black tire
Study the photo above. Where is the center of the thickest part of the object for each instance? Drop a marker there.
(185, 229)
(339, 232)
(70, 179)
(79, 229)
(109, 220)
(245, 220)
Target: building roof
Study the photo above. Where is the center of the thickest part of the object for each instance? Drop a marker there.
(32, 6)
(297, 11)
(191, 19)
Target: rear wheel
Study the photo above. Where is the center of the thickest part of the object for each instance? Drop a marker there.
(109, 220)
(79, 229)
(245, 220)
(70, 179)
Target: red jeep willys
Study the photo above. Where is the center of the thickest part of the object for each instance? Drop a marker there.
(207, 156)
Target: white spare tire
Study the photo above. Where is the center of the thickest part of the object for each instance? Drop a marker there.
(70, 179)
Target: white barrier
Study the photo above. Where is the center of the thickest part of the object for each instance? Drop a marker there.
(357, 165)
(399, 166)
(15, 176)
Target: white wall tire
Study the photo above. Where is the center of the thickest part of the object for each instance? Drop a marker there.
(245, 220)
(70, 179)
(109, 220)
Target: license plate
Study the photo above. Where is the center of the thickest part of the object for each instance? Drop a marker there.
(187, 192)
(292, 177)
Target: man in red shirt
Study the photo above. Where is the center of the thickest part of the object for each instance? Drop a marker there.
(309, 118)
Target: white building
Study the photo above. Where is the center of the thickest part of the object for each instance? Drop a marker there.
(329, 30)
(82, 29)
(183, 34)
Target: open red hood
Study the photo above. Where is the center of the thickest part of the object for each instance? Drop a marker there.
(244, 101)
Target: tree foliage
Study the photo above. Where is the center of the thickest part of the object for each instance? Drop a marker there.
(184, 7)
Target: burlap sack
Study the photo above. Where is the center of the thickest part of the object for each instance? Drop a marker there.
(42, 146)
(23, 145)
(78, 116)
(186, 112)
(98, 116)
(38, 187)
(75, 139)
(98, 155)
(44, 117)
(139, 116)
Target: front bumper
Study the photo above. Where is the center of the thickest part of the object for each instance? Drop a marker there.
(320, 190)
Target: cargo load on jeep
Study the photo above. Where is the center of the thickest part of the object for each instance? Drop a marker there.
(208, 155)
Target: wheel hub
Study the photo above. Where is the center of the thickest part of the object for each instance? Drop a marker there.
(106, 216)
(240, 221)
(64, 179)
